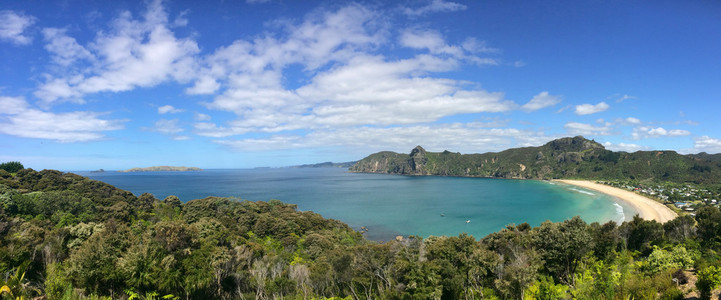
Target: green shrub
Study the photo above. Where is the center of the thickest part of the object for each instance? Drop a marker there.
(708, 280)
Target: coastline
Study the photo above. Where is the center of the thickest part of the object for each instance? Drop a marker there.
(647, 209)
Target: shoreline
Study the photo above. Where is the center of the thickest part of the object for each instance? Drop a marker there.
(647, 209)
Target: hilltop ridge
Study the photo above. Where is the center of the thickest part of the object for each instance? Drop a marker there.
(569, 157)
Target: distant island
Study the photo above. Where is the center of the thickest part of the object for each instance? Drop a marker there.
(328, 164)
(162, 169)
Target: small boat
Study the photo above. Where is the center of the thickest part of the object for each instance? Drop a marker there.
(468, 221)
(443, 215)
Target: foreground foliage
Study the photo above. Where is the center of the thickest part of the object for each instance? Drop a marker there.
(68, 237)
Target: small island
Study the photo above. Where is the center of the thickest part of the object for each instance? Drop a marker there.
(162, 169)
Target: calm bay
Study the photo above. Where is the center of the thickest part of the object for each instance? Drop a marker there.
(387, 205)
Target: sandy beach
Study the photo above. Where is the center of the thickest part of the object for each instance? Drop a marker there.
(648, 209)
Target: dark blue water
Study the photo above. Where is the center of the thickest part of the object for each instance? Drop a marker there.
(388, 205)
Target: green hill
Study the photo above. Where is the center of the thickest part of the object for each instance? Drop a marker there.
(575, 157)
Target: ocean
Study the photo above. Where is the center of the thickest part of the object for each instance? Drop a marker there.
(387, 205)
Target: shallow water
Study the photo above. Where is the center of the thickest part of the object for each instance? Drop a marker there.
(388, 205)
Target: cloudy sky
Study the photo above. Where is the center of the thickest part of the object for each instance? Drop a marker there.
(232, 84)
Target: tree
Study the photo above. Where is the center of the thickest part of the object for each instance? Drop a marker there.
(146, 202)
(56, 281)
(517, 273)
(605, 239)
(562, 245)
(93, 265)
(641, 234)
(709, 224)
(453, 255)
(680, 228)
(12, 166)
(172, 201)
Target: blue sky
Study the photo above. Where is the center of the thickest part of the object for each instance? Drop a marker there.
(232, 84)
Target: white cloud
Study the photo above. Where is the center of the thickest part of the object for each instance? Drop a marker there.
(169, 109)
(370, 90)
(574, 128)
(654, 132)
(707, 144)
(541, 100)
(12, 105)
(134, 53)
(212, 130)
(433, 7)
(13, 26)
(629, 121)
(202, 117)
(562, 109)
(428, 39)
(455, 137)
(620, 99)
(678, 132)
(632, 120)
(587, 109)
(182, 19)
(203, 86)
(169, 127)
(625, 147)
(366, 91)
(348, 86)
(434, 42)
(80, 126)
(65, 50)
(657, 131)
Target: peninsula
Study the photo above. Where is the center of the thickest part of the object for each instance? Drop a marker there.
(162, 169)
(564, 158)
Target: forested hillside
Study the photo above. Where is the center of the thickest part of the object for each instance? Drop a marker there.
(574, 157)
(64, 236)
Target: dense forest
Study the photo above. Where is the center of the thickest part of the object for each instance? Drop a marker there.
(63, 236)
(574, 157)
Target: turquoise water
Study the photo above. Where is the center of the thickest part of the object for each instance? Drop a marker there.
(388, 205)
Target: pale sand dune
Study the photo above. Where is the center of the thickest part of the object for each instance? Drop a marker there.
(647, 209)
